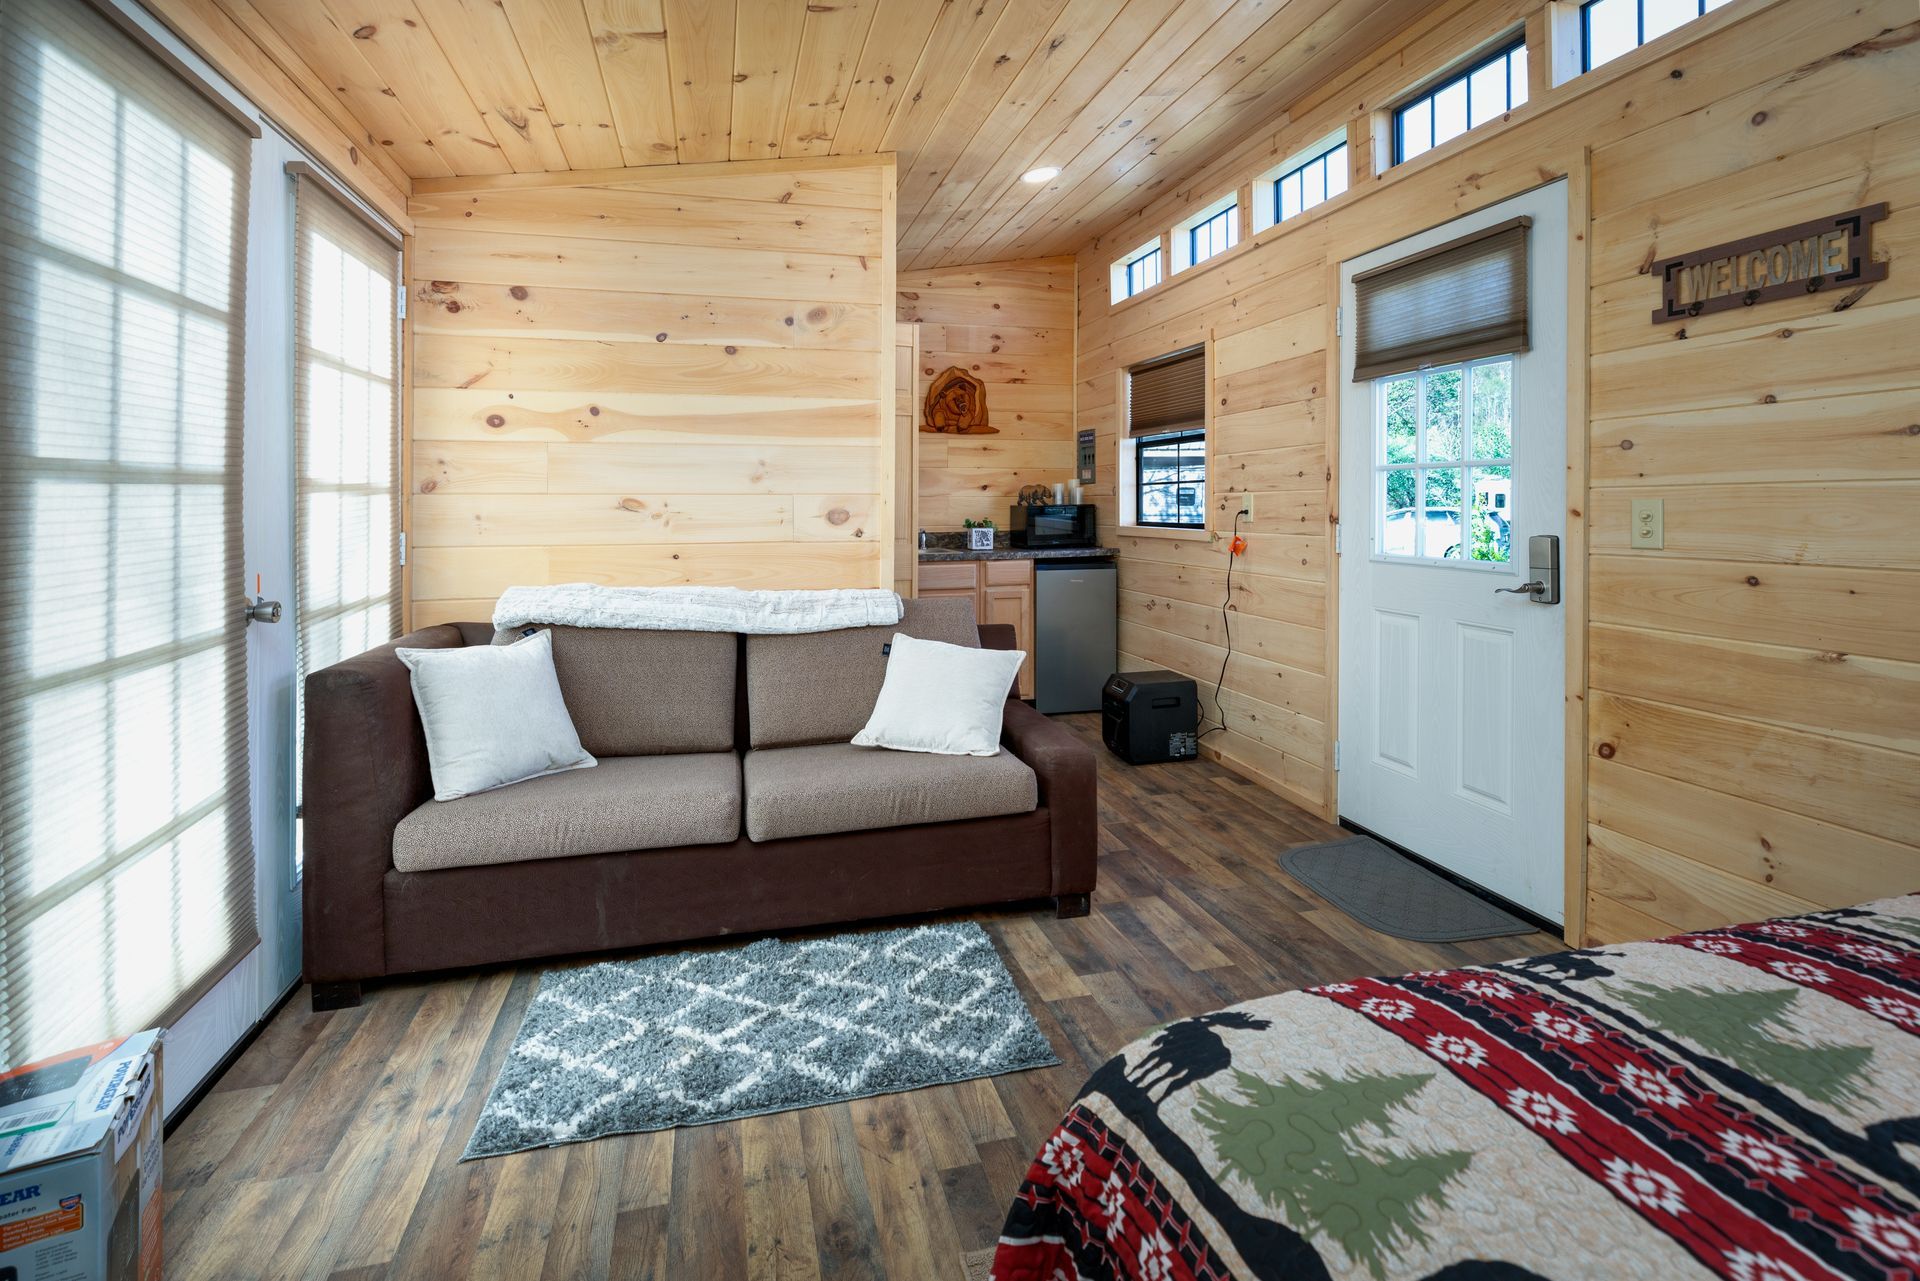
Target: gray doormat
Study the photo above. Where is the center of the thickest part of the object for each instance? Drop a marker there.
(693, 1037)
(1388, 891)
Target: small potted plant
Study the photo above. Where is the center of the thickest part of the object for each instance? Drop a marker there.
(979, 535)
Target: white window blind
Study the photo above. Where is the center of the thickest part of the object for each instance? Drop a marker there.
(127, 887)
(346, 429)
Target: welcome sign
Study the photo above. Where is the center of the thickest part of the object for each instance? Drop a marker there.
(1795, 260)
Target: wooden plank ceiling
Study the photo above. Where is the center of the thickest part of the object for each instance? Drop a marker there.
(1123, 96)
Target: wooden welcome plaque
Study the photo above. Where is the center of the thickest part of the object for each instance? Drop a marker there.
(1793, 261)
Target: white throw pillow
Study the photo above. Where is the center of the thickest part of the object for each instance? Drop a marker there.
(941, 698)
(493, 715)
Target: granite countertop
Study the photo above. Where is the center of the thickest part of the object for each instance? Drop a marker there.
(929, 555)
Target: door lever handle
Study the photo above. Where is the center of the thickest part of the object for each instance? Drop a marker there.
(1535, 588)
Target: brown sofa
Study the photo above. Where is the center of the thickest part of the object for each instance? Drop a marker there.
(727, 799)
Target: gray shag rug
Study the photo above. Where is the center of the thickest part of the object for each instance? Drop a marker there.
(1385, 889)
(626, 1046)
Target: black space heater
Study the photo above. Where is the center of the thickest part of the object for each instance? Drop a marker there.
(1150, 717)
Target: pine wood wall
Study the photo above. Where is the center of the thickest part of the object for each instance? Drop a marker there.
(675, 375)
(1010, 324)
(1745, 704)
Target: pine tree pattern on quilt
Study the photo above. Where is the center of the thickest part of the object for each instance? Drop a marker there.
(1741, 1103)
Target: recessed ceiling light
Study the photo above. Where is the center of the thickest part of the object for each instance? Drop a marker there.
(1045, 173)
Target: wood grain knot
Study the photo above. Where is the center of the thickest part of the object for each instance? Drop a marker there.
(839, 516)
(496, 420)
(367, 32)
(1759, 118)
(1626, 444)
(1753, 580)
(518, 293)
(428, 486)
(1605, 751)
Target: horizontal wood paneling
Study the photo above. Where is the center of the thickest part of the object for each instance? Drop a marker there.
(1011, 326)
(1753, 712)
(634, 383)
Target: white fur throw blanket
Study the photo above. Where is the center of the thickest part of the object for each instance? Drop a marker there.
(697, 609)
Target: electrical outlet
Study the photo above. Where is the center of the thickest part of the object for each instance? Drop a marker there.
(1242, 503)
(1648, 528)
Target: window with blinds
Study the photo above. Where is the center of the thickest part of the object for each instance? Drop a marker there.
(346, 429)
(1167, 439)
(127, 887)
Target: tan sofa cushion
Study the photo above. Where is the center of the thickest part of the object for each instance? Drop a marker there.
(821, 687)
(623, 803)
(837, 787)
(639, 693)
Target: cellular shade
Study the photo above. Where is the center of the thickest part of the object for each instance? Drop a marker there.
(1168, 394)
(346, 429)
(127, 887)
(1457, 301)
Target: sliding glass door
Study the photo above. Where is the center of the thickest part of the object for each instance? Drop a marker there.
(125, 799)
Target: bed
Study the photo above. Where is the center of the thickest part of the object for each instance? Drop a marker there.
(1740, 1103)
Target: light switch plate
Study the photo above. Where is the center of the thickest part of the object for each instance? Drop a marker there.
(1648, 529)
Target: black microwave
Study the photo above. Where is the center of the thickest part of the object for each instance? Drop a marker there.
(1053, 525)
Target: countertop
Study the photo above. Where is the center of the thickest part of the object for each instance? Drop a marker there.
(932, 555)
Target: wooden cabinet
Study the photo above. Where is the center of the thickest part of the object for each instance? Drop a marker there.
(1002, 592)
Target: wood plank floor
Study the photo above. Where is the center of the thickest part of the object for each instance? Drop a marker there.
(331, 1148)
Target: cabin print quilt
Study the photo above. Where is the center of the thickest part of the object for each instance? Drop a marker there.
(1740, 1103)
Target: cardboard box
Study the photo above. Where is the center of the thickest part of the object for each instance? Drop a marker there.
(80, 1164)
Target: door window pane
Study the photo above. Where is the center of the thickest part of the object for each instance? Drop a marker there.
(1489, 535)
(1441, 394)
(1403, 419)
(1445, 443)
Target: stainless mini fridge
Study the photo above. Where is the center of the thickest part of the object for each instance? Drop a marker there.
(1074, 642)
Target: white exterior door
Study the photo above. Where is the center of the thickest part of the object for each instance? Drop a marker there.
(1452, 690)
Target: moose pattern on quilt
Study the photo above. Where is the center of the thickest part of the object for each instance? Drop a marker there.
(1740, 1103)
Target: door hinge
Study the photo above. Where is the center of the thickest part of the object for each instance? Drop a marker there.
(401, 294)
(1336, 756)
(1339, 319)
(403, 547)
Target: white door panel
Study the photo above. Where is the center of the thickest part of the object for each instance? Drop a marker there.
(1452, 696)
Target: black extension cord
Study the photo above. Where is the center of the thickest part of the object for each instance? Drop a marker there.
(1226, 625)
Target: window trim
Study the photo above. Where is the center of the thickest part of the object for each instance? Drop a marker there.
(1461, 73)
(1182, 232)
(1266, 202)
(1701, 10)
(1118, 272)
(1229, 218)
(1178, 437)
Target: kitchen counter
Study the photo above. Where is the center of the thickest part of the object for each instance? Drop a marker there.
(935, 555)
